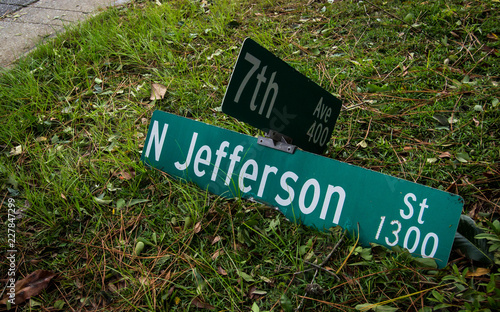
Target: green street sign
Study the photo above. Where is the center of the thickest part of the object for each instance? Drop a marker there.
(310, 189)
(269, 94)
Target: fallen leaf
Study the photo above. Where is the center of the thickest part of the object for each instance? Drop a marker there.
(445, 155)
(30, 286)
(167, 276)
(112, 288)
(221, 271)
(463, 157)
(170, 291)
(136, 201)
(138, 248)
(487, 49)
(245, 276)
(124, 174)
(217, 254)
(197, 227)
(362, 144)
(216, 239)
(201, 305)
(476, 122)
(442, 120)
(478, 272)
(492, 36)
(102, 201)
(257, 292)
(16, 150)
(157, 91)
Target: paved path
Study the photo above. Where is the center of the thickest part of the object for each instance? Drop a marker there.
(25, 23)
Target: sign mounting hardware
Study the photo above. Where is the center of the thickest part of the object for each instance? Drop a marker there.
(277, 141)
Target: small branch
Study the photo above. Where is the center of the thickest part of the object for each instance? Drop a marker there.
(320, 267)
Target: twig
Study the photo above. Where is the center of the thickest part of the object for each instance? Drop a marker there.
(320, 267)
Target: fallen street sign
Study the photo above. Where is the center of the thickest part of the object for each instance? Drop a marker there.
(269, 94)
(307, 188)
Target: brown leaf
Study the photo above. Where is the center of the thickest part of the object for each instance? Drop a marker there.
(167, 276)
(157, 91)
(201, 305)
(124, 174)
(30, 286)
(112, 288)
(478, 272)
(217, 254)
(492, 36)
(445, 155)
(476, 208)
(221, 271)
(216, 239)
(250, 292)
(476, 122)
(487, 49)
(117, 283)
(170, 291)
(197, 227)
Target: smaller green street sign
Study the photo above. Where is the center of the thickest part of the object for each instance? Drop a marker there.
(269, 94)
(310, 189)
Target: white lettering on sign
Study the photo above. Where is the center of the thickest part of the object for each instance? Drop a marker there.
(302, 205)
(319, 132)
(261, 79)
(220, 154)
(311, 192)
(244, 175)
(423, 206)
(321, 111)
(286, 187)
(412, 236)
(340, 204)
(155, 137)
(267, 170)
(183, 166)
(204, 161)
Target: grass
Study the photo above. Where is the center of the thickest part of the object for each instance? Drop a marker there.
(419, 85)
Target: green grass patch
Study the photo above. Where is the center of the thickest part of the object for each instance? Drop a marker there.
(419, 85)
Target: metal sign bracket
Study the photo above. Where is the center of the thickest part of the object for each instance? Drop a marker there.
(277, 141)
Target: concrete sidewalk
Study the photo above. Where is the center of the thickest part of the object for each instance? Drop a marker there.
(26, 23)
